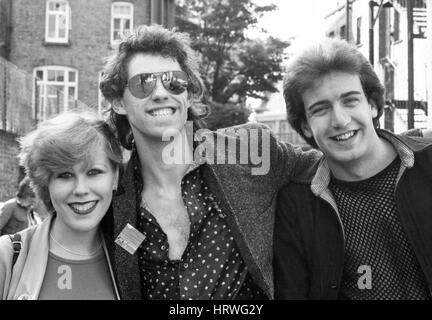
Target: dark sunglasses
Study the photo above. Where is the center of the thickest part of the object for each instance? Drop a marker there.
(142, 85)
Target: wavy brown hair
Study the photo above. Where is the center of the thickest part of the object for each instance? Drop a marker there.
(319, 60)
(158, 41)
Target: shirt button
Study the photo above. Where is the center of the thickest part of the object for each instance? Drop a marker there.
(185, 265)
(333, 286)
(222, 215)
(163, 247)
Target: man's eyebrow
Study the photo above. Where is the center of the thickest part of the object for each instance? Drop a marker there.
(343, 95)
(349, 93)
(317, 104)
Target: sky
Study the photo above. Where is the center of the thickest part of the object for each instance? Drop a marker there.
(302, 19)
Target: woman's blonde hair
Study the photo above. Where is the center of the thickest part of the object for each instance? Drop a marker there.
(62, 142)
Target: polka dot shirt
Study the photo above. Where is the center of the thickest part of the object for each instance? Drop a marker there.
(211, 266)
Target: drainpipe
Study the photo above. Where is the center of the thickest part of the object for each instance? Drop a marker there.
(410, 42)
(371, 32)
(9, 30)
(349, 20)
(429, 61)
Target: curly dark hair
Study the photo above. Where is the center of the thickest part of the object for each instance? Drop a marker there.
(154, 40)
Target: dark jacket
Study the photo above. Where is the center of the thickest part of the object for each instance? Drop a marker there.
(309, 236)
(248, 202)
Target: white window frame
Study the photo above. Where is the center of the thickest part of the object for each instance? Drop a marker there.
(61, 19)
(122, 17)
(158, 11)
(43, 85)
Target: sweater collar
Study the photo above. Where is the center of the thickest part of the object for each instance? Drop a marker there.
(322, 176)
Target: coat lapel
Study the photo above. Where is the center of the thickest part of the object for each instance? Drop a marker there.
(124, 212)
(211, 178)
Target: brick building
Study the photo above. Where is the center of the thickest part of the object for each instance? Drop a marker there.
(51, 57)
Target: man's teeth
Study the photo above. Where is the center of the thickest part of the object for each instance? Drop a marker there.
(84, 207)
(162, 112)
(345, 136)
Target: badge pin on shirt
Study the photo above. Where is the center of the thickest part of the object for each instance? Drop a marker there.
(130, 239)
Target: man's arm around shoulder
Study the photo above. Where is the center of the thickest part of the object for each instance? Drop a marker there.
(427, 133)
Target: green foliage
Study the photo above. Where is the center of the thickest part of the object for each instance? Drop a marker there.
(261, 64)
(226, 115)
(233, 67)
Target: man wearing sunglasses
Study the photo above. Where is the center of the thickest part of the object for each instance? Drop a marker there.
(191, 231)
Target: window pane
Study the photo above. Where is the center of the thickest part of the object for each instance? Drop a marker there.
(60, 97)
(42, 89)
(51, 75)
(51, 91)
(127, 10)
(116, 34)
(71, 97)
(71, 92)
(116, 9)
(62, 21)
(52, 106)
(116, 24)
(121, 20)
(62, 32)
(57, 21)
(71, 103)
(61, 6)
(39, 99)
(122, 9)
(54, 94)
(159, 12)
(60, 76)
(51, 26)
(126, 25)
(55, 100)
(39, 74)
(71, 76)
(40, 106)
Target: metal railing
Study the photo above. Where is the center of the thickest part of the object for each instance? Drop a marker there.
(403, 104)
(416, 3)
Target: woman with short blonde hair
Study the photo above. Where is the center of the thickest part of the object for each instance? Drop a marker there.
(72, 161)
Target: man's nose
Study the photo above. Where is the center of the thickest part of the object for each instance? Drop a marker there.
(159, 93)
(340, 116)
